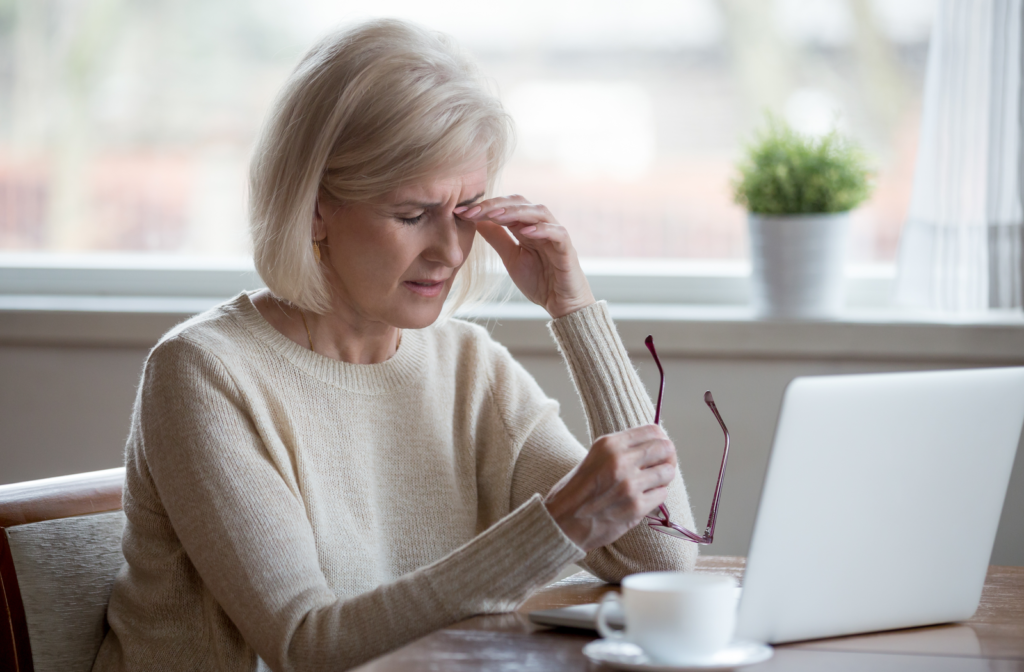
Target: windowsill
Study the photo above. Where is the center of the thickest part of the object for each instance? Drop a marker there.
(694, 308)
(659, 281)
(681, 329)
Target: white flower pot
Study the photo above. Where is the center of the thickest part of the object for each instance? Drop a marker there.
(797, 264)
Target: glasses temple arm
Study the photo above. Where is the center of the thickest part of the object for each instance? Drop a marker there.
(649, 342)
(709, 531)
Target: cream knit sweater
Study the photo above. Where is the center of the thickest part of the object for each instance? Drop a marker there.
(286, 507)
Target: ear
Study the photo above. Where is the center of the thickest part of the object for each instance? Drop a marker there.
(319, 228)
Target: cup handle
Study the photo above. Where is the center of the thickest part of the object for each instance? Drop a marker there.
(603, 628)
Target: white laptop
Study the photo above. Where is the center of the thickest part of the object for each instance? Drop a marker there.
(880, 505)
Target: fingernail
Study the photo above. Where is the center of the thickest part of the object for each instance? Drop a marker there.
(461, 209)
(473, 212)
(495, 213)
(528, 229)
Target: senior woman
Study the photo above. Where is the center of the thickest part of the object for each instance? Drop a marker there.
(322, 471)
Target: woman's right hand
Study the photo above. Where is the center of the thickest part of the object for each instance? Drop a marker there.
(624, 477)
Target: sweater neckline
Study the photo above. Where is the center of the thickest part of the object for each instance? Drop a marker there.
(397, 372)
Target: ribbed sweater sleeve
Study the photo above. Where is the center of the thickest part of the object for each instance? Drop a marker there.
(242, 523)
(614, 399)
(613, 396)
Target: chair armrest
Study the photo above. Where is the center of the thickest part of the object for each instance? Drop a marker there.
(33, 502)
(61, 497)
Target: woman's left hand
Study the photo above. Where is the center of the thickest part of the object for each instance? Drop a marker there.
(543, 263)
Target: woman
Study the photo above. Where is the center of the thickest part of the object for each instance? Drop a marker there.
(322, 471)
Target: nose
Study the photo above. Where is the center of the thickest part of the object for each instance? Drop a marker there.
(445, 247)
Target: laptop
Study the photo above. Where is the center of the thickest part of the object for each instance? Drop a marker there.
(879, 507)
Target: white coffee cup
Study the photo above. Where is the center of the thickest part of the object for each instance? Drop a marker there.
(675, 617)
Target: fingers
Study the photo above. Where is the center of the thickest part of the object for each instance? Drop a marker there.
(529, 220)
(654, 478)
(623, 478)
(538, 254)
(638, 460)
(636, 435)
(500, 239)
(484, 208)
(650, 454)
(527, 213)
(642, 492)
(530, 226)
(644, 446)
(511, 214)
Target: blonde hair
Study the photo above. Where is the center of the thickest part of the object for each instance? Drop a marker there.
(367, 111)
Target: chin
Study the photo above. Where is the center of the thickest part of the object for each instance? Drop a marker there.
(419, 317)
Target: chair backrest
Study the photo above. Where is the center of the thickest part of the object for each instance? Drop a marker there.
(60, 549)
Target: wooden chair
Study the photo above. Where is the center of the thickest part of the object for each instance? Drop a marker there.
(60, 549)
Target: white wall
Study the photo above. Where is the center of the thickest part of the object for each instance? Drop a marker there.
(64, 408)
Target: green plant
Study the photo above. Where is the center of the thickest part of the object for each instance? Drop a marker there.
(785, 172)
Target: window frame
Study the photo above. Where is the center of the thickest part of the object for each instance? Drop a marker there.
(627, 281)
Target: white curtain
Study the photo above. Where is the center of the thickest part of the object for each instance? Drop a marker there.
(961, 244)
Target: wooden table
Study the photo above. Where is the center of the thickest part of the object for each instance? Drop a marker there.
(993, 640)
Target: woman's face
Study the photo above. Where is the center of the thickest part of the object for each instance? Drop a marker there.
(393, 260)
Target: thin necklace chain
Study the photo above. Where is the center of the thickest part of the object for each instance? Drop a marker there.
(309, 336)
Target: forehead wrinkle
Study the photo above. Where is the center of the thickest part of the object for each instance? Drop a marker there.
(434, 193)
(426, 206)
(418, 204)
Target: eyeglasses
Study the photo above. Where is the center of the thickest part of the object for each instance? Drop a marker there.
(660, 521)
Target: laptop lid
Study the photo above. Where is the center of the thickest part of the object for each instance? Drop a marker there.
(881, 501)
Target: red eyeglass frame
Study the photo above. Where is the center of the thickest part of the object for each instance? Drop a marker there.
(661, 523)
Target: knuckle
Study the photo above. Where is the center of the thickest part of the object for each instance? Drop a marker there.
(645, 432)
(637, 509)
(619, 468)
(651, 451)
(627, 490)
(604, 445)
(621, 441)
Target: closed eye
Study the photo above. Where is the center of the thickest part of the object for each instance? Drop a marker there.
(412, 220)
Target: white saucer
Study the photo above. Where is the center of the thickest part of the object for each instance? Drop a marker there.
(626, 656)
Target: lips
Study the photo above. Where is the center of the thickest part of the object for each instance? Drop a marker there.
(428, 288)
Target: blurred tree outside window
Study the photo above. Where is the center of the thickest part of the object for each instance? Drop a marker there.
(126, 125)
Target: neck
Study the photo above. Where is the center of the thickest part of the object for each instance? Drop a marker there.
(337, 334)
(360, 343)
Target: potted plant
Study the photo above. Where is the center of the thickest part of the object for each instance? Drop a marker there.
(799, 192)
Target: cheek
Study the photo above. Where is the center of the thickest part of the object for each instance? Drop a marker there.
(395, 249)
(466, 239)
(370, 262)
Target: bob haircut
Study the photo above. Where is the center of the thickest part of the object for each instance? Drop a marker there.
(367, 111)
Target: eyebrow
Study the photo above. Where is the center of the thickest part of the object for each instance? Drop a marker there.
(427, 206)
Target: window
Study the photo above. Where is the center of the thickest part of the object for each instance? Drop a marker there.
(127, 126)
